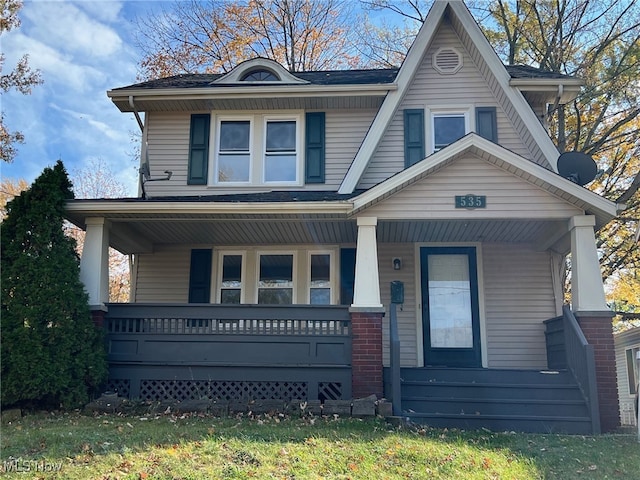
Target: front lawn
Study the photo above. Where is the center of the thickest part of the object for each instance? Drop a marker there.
(73, 446)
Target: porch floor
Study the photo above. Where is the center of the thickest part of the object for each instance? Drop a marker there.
(496, 399)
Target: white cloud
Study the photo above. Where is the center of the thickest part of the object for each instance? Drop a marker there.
(66, 27)
(83, 49)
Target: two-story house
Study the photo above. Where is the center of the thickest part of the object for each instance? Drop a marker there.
(262, 263)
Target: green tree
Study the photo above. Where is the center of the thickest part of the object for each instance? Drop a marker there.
(52, 354)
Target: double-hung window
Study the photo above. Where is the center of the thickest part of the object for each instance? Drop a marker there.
(280, 155)
(275, 281)
(231, 281)
(234, 151)
(320, 278)
(258, 149)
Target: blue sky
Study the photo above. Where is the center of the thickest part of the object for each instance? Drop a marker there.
(82, 48)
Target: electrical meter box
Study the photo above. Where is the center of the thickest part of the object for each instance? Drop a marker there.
(397, 291)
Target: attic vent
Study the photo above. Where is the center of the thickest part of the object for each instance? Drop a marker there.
(447, 60)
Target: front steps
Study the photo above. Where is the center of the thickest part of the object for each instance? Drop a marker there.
(499, 400)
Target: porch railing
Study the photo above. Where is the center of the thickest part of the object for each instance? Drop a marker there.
(581, 361)
(163, 352)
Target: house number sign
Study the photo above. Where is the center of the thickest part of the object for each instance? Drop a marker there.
(471, 201)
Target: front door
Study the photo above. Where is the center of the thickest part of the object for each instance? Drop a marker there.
(450, 313)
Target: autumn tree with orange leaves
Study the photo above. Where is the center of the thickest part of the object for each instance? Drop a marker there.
(214, 36)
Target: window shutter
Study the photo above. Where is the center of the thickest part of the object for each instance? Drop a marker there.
(200, 276)
(413, 136)
(314, 147)
(487, 123)
(347, 275)
(198, 149)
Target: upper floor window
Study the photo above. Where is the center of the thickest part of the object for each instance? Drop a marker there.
(280, 151)
(260, 75)
(258, 149)
(234, 151)
(448, 127)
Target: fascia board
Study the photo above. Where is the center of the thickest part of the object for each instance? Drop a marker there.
(393, 99)
(99, 208)
(523, 165)
(522, 108)
(254, 92)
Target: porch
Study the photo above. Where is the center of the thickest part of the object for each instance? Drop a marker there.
(228, 352)
(240, 353)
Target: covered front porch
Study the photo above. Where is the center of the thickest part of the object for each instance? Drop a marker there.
(503, 256)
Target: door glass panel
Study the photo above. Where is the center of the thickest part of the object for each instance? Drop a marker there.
(450, 315)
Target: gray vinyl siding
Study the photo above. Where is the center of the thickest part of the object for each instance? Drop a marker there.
(528, 142)
(518, 296)
(508, 196)
(466, 88)
(623, 341)
(407, 314)
(168, 140)
(163, 276)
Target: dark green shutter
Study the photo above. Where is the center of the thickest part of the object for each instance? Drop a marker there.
(413, 136)
(347, 275)
(198, 149)
(314, 147)
(487, 123)
(200, 276)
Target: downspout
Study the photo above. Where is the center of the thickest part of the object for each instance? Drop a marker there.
(135, 112)
(562, 138)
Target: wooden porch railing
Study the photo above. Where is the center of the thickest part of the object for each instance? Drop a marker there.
(228, 351)
(581, 361)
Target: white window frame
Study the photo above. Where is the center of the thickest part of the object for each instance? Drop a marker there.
(218, 122)
(257, 147)
(332, 274)
(298, 156)
(243, 274)
(447, 111)
(294, 273)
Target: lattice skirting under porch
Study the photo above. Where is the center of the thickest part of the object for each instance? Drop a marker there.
(239, 384)
(181, 390)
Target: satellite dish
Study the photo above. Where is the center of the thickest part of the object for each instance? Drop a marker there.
(578, 167)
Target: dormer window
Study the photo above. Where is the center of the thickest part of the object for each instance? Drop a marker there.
(260, 75)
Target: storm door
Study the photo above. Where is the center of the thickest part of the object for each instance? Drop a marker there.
(450, 313)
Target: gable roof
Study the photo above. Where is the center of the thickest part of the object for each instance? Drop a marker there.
(604, 210)
(503, 77)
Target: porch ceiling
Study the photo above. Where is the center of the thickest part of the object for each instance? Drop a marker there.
(133, 235)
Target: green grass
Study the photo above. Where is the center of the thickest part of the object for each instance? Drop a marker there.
(199, 447)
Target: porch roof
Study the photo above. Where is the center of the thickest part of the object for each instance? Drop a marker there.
(565, 190)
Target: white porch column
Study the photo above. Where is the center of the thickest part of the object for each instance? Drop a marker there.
(94, 264)
(587, 289)
(366, 292)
